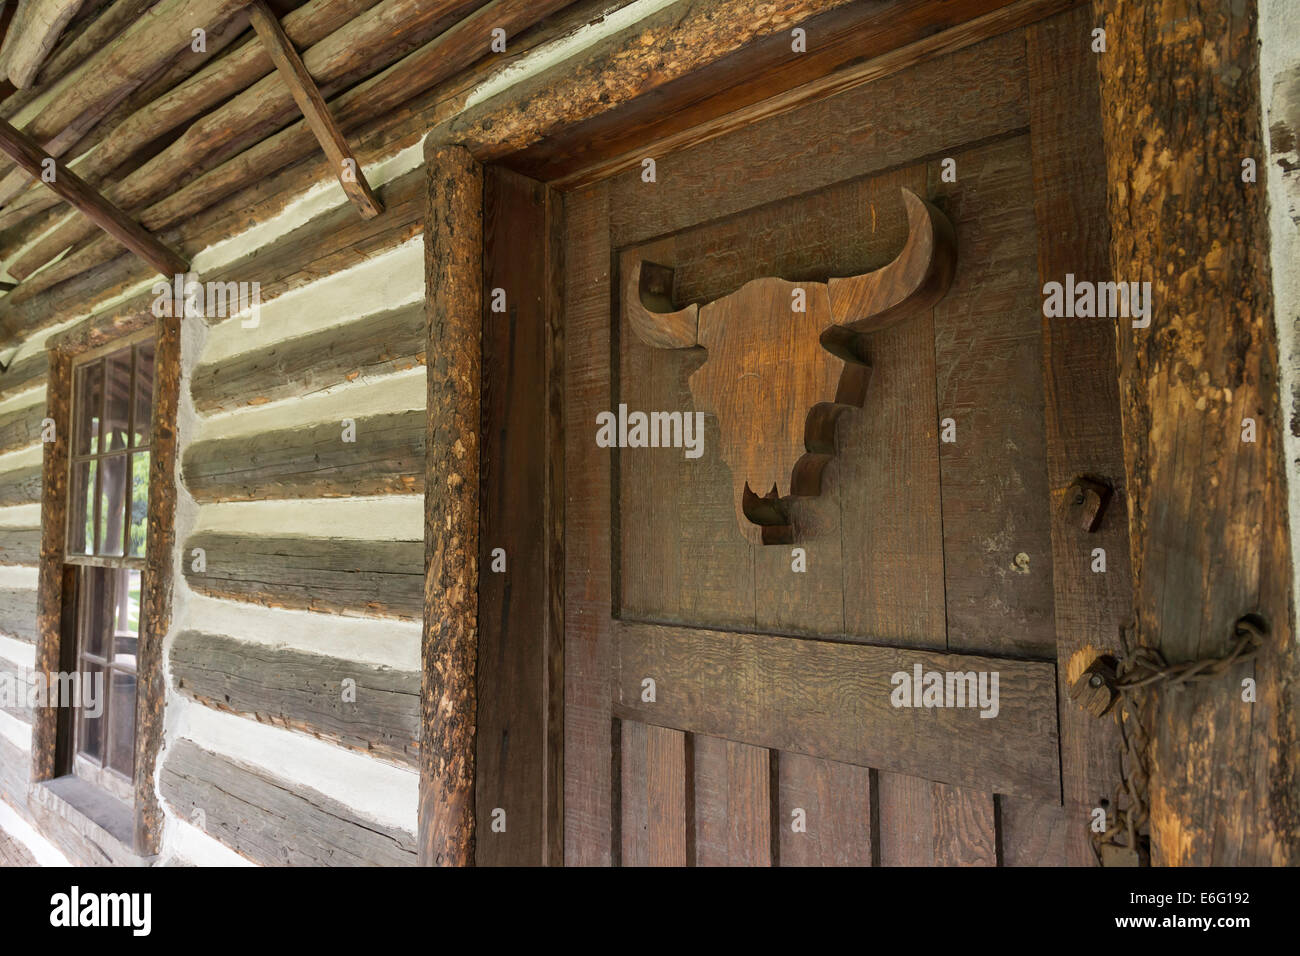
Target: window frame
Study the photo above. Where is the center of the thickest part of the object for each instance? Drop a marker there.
(100, 772)
(136, 823)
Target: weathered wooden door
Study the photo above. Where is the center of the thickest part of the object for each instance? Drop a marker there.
(732, 703)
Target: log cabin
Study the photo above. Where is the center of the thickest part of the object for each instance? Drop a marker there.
(312, 551)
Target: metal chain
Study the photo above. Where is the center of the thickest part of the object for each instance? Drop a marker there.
(1145, 667)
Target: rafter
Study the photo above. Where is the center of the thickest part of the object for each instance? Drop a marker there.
(314, 109)
(20, 147)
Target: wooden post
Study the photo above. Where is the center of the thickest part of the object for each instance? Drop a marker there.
(1202, 425)
(453, 248)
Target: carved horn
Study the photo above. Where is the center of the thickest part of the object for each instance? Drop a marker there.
(915, 280)
(649, 297)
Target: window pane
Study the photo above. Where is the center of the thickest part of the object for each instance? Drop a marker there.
(90, 730)
(86, 405)
(81, 508)
(126, 619)
(143, 393)
(121, 706)
(97, 604)
(112, 504)
(118, 403)
(139, 504)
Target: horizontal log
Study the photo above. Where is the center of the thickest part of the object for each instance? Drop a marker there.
(274, 821)
(18, 613)
(328, 244)
(391, 341)
(457, 49)
(16, 679)
(333, 575)
(372, 41)
(24, 374)
(25, 49)
(216, 82)
(386, 457)
(21, 427)
(15, 772)
(70, 54)
(303, 691)
(21, 546)
(22, 486)
(833, 700)
(142, 50)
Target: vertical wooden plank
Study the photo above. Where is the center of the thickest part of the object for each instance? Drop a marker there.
(156, 583)
(653, 809)
(836, 802)
(453, 248)
(733, 811)
(988, 354)
(555, 556)
(588, 597)
(1082, 405)
(932, 824)
(513, 608)
(50, 590)
(889, 480)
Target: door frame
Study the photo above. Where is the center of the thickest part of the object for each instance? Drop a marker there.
(571, 126)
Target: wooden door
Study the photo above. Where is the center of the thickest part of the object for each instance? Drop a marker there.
(723, 707)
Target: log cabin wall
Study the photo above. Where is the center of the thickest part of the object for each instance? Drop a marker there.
(300, 558)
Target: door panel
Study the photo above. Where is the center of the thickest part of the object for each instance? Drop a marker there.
(768, 736)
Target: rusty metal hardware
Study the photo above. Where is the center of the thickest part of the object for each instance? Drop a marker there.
(1087, 499)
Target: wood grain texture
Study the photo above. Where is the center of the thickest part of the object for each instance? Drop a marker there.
(833, 700)
(48, 615)
(514, 614)
(39, 24)
(156, 585)
(18, 613)
(836, 812)
(975, 94)
(387, 457)
(20, 546)
(331, 575)
(1207, 510)
(655, 806)
(931, 824)
(390, 341)
(273, 821)
(988, 356)
(1082, 415)
(24, 373)
(453, 244)
(21, 427)
(21, 486)
(732, 795)
(292, 688)
(588, 594)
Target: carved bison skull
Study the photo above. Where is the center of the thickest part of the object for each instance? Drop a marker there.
(777, 379)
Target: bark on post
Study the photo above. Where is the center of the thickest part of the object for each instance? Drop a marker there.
(1207, 515)
(453, 244)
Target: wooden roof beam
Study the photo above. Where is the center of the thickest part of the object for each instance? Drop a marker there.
(21, 148)
(40, 24)
(314, 109)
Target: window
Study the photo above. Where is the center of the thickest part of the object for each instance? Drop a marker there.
(112, 407)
